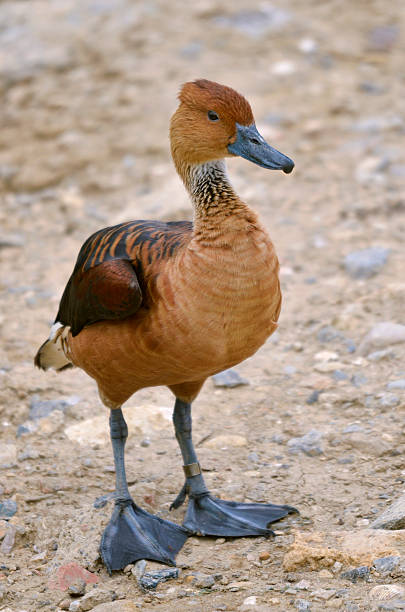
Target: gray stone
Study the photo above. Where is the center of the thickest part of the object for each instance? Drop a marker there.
(254, 23)
(396, 384)
(9, 539)
(253, 457)
(290, 370)
(383, 37)
(11, 241)
(396, 604)
(387, 400)
(192, 51)
(378, 123)
(352, 428)
(7, 509)
(339, 375)
(308, 444)
(150, 580)
(328, 333)
(303, 605)
(77, 588)
(358, 573)
(358, 379)
(393, 517)
(203, 581)
(103, 500)
(229, 378)
(8, 455)
(366, 262)
(313, 397)
(385, 565)
(382, 335)
(380, 355)
(42, 408)
(139, 569)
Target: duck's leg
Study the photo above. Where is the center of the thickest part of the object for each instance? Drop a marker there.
(208, 515)
(133, 533)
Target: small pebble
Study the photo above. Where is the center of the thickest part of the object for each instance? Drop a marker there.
(250, 601)
(324, 573)
(229, 378)
(385, 592)
(303, 585)
(383, 37)
(382, 335)
(77, 588)
(289, 370)
(8, 540)
(366, 263)
(150, 580)
(339, 375)
(313, 397)
(308, 444)
(387, 400)
(352, 428)
(396, 384)
(391, 606)
(139, 569)
(103, 500)
(7, 508)
(203, 581)
(324, 594)
(385, 565)
(380, 355)
(358, 573)
(43, 408)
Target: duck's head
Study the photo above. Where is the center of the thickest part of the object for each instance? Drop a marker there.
(214, 121)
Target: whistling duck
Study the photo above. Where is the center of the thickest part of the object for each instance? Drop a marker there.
(152, 303)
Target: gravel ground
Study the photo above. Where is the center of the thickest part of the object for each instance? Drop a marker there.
(87, 91)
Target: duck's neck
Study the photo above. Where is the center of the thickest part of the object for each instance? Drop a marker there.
(214, 199)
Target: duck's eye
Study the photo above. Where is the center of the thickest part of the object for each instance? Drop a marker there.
(212, 116)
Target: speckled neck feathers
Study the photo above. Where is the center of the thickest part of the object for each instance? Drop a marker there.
(218, 210)
(209, 186)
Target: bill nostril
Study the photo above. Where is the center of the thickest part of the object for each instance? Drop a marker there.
(254, 141)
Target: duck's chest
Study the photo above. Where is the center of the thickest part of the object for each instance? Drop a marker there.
(227, 299)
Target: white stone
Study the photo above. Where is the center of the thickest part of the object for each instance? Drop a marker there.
(307, 45)
(8, 454)
(250, 601)
(385, 592)
(284, 67)
(393, 517)
(382, 335)
(226, 440)
(326, 356)
(141, 421)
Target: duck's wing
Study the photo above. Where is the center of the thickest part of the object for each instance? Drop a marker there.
(108, 277)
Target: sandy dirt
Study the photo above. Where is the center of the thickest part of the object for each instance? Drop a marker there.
(87, 89)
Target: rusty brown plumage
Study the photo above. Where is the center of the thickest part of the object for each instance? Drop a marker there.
(153, 303)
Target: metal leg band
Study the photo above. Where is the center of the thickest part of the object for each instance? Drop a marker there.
(192, 469)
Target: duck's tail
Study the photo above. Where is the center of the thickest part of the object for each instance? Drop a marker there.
(52, 353)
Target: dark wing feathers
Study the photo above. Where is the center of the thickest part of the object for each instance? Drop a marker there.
(108, 277)
(108, 291)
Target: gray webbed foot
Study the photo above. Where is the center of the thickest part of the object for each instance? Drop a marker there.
(207, 515)
(134, 534)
